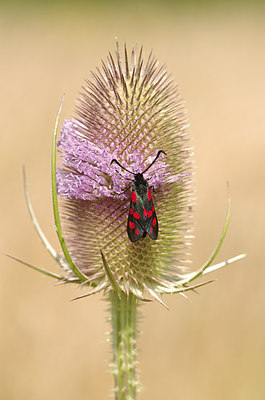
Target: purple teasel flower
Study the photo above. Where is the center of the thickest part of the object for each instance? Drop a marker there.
(129, 112)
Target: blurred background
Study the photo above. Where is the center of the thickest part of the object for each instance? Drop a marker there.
(210, 348)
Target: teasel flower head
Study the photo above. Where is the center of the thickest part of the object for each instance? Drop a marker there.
(128, 111)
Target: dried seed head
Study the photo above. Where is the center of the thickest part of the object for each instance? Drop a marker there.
(128, 112)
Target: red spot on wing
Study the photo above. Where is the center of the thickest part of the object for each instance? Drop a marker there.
(154, 222)
(151, 229)
(131, 211)
(131, 224)
(136, 231)
(145, 212)
(136, 215)
(149, 195)
(153, 208)
(134, 197)
(150, 213)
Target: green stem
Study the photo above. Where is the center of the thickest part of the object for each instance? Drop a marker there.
(123, 320)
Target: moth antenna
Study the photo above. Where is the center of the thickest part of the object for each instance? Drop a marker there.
(117, 162)
(158, 154)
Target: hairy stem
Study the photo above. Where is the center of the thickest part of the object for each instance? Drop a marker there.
(123, 320)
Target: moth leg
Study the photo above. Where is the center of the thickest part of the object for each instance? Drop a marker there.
(153, 189)
(124, 191)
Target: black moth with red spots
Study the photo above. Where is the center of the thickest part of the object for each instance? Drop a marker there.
(142, 217)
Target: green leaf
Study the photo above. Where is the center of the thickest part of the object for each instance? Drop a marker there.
(43, 271)
(68, 258)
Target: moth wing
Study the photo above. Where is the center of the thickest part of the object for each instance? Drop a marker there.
(151, 223)
(135, 229)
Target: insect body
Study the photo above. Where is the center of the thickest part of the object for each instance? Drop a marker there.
(142, 217)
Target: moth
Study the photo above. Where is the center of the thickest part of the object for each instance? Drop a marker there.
(142, 217)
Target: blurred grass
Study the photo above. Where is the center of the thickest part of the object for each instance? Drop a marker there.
(122, 7)
(212, 348)
(126, 3)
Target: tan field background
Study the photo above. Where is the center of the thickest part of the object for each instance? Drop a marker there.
(210, 348)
